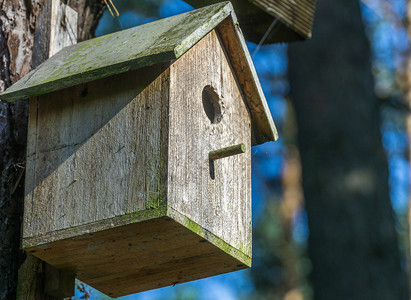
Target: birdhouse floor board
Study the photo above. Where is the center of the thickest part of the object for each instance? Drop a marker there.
(91, 228)
(119, 261)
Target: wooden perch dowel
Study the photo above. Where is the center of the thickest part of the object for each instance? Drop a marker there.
(225, 152)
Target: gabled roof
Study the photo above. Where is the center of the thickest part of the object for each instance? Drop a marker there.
(160, 41)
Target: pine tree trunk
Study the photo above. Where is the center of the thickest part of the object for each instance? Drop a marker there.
(352, 243)
(24, 34)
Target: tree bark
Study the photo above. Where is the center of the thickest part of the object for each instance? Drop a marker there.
(24, 29)
(352, 243)
(16, 19)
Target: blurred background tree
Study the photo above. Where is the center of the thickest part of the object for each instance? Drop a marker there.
(352, 243)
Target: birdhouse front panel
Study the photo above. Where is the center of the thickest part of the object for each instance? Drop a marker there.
(208, 112)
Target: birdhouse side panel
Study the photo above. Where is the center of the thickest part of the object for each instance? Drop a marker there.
(95, 153)
(208, 112)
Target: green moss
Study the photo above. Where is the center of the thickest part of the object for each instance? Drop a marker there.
(153, 202)
(147, 214)
(79, 230)
(156, 198)
(194, 227)
(212, 238)
(130, 49)
(29, 245)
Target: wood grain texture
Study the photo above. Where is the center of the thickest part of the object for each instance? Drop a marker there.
(139, 257)
(263, 127)
(32, 277)
(123, 161)
(41, 47)
(58, 283)
(295, 18)
(295, 14)
(221, 204)
(126, 50)
(63, 28)
(146, 45)
(95, 153)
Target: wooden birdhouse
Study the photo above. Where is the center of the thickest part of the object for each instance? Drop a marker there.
(272, 21)
(138, 171)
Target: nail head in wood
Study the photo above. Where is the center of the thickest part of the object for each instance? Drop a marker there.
(227, 151)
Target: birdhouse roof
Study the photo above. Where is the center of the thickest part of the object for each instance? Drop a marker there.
(157, 42)
(289, 20)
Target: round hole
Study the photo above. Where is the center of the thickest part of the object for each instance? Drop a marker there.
(212, 104)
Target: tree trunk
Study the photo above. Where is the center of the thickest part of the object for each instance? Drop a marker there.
(407, 92)
(24, 35)
(352, 243)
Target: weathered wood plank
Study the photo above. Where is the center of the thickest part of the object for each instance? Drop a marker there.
(31, 280)
(161, 41)
(295, 14)
(126, 50)
(295, 18)
(214, 203)
(58, 283)
(32, 276)
(297, 11)
(98, 152)
(63, 29)
(168, 253)
(120, 169)
(263, 128)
